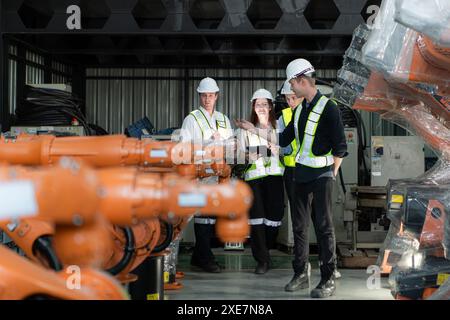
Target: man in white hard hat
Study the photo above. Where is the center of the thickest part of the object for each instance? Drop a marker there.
(290, 151)
(319, 132)
(202, 126)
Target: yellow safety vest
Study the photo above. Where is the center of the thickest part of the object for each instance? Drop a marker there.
(305, 156)
(289, 160)
(261, 167)
(205, 126)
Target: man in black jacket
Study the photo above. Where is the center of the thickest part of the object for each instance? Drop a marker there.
(318, 129)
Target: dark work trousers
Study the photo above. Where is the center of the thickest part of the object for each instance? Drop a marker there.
(289, 184)
(266, 214)
(204, 232)
(318, 193)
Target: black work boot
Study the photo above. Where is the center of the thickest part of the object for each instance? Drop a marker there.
(211, 266)
(262, 267)
(300, 280)
(326, 288)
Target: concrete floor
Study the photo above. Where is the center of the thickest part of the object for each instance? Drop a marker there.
(238, 281)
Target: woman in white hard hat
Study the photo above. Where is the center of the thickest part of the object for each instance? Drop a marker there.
(264, 174)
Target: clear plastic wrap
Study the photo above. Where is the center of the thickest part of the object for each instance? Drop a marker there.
(419, 121)
(446, 242)
(418, 112)
(443, 293)
(439, 174)
(394, 50)
(352, 78)
(431, 17)
(419, 276)
(433, 53)
(398, 75)
(388, 43)
(171, 260)
(419, 231)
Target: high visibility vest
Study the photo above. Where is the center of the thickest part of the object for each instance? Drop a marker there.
(289, 160)
(305, 156)
(207, 129)
(262, 167)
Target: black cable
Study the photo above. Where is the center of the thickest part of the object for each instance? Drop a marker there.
(363, 145)
(97, 130)
(129, 249)
(43, 245)
(167, 240)
(361, 131)
(50, 107)
(341, 176)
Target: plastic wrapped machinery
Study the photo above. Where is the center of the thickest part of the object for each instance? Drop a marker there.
(171, 260)
(353, 76)
(404, 76)
(394, 50)
(421, 278)
(431, 17)
(443, 293)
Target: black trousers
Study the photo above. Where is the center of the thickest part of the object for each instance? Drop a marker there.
(318, 193)
(204, 232)
(289, 184)
(266, 214)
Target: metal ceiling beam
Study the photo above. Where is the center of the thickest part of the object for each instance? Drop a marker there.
(120, 19)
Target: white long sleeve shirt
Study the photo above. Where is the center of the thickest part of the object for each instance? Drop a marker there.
(191, 129)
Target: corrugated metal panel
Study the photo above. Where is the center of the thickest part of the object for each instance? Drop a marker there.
(61, 67)
(34, 75)
(114, 104)
(34, 57)
(12, 85)
(12, 79)
(13, 49)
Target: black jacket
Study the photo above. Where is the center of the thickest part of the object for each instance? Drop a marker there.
(329, 135)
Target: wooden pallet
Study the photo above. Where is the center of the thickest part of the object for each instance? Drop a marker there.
(356, 259)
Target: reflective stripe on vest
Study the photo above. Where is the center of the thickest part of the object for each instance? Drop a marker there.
(289, 160)
(257, 169)
(264, 221)
(305, 155)
(205, 126)
(261, 169)
(204, 220)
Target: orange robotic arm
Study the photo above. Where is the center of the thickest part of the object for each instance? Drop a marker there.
(32, 236)
(105, 151)
(126, 197)
(22, 279)
(427, 119)
(66, 196)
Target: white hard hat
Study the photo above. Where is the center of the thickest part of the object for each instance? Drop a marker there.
(299, 67)
(287, 89)
(262, 94)
(207, 85)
